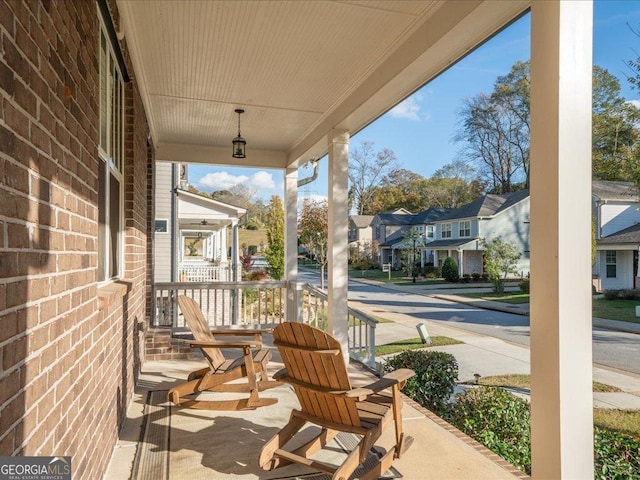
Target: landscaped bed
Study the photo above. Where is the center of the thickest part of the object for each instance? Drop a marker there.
(501, 421)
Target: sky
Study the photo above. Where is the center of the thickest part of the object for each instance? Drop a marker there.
(420, 130)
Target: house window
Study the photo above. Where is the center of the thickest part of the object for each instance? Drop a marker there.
(161, 226)
(610, 262)
(430, 231)
(446, 230)
(465, 229)
(110, 164)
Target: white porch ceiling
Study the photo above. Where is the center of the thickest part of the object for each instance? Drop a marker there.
(298, 68)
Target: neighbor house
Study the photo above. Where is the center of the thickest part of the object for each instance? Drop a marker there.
(390, 234)
(360, 231)
(191, 231)
(616, 214)
(460, 233)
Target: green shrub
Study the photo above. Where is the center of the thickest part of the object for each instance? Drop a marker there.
(629, 294)
(450, 270)
(476, 276)
(617, 455)
(611, 294)
(497, 419)
(501, 422)
(524, 285)
(435, 378)
(257, 276)
(466, 278)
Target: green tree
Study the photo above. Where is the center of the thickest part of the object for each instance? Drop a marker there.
(494, 131)
(500, 259)
(451, 186)
(615, 132)
(450, 270)
(313, 231)
(274, 252)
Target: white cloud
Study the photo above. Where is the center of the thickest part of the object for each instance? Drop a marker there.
(635, 103)
(262, 181)
(221, 181)
(224, 181)
(408, 108)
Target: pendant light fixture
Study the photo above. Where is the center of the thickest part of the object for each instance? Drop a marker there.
(239, 143)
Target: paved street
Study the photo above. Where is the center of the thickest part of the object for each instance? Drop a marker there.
(610, 348)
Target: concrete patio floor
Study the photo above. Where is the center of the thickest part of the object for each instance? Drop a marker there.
(225, 445)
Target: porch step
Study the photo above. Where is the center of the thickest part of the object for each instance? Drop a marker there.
(159, 345)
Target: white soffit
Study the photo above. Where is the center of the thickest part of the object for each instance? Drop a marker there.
(298, 68)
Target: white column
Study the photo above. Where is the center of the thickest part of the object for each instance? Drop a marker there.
(561, 358)
(235, 266)
(291, 243)
(338, 237)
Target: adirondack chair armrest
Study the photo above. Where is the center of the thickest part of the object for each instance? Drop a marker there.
(397, 377)
(224, 344)
(242, 332)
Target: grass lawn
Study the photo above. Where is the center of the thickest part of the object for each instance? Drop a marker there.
(379, 275)
(413, 344)
(381, 319)
(516, 380)
(515, 297)
(625, 421)
(252, 237)
(623, 310)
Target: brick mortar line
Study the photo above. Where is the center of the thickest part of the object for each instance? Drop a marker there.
(11, 280)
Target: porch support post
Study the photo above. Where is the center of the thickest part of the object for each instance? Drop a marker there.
(338, 237)
(291, 243)
(235, 263)
(561, 357)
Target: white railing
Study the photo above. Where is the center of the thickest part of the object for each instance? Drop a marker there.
(362, 327)
(261, 304)
(255, 304)
(203, 272)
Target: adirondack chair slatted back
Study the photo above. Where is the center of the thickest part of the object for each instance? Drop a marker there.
(313, 360)
(200, 329)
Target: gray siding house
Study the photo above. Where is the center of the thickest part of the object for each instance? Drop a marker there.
(389, 230)
(459, 234)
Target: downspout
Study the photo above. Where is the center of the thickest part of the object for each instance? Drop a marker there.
(174, 222)
(304, 181)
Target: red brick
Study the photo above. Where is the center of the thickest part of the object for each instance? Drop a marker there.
(17, 235)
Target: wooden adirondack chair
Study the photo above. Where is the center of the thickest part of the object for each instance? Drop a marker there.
(221, 371)
(315, 368)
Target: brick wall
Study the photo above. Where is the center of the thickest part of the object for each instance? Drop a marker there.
(69, 350)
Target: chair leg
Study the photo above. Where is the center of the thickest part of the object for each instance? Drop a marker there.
(350, 463)
(267, 460)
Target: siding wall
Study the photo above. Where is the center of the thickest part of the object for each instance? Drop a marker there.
(512, 226)
(162, 241)
(624, 270)
(69, 349)
(618, 216)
